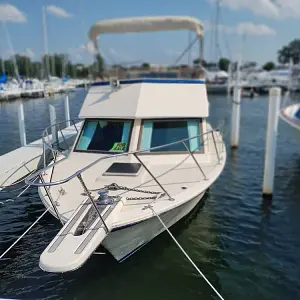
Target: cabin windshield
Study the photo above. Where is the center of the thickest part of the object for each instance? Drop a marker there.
(161, 132)
(104, 136)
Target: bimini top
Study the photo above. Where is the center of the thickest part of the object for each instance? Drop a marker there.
(142, 24)
(146, 98)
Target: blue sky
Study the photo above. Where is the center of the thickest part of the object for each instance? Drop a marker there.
(266, 25)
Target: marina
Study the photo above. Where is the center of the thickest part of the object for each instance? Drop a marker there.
(235, 237)
(179, 179)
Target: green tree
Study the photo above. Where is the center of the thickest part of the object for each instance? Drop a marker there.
(56, 65)
(198, 60)
(23, 63)
(145, 65)
(291, 51)
(268, 66)
(9, 67)
(224, 63)
(1, 66)
(98, 65)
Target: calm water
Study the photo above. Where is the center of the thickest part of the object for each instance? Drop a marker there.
(248, 248)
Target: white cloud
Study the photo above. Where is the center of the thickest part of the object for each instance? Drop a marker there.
(289, 8)
(209, 26)
(58, 11)
(10, 13)
(29, 52)
(88, 47)
(249, 28)
(268, 8)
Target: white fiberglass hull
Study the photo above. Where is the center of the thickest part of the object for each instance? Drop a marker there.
(289, 115)
(123, 242)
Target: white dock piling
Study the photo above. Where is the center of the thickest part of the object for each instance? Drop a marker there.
(229, 80)
(53, 122)
(270, 154)
(21, 120)
(236, 107)
(67, 110)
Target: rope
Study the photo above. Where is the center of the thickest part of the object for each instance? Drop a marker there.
(26, 231)
(186, 255)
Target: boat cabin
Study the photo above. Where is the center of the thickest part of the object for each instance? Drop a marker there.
(143, 115)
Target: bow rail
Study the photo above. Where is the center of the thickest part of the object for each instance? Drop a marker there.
(30, 180)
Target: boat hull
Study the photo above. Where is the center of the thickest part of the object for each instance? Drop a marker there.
(122, 242)
(288, 114)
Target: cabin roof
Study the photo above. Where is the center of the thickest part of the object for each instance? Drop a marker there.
(147, 98)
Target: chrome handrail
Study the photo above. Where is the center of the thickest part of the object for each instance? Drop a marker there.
(29, 181)
(46, 134)
(23, 165)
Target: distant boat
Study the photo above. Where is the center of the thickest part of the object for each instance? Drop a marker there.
(291, 115)
(216, 81)
(10, 90)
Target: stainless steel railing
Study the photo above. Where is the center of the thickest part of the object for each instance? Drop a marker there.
(18, 168)
(53, 143)
(29, 180)
(47, 145)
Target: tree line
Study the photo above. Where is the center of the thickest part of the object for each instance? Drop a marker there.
(287, 53)
(58, 65)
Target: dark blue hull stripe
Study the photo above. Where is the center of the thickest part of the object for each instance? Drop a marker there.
(150, 80)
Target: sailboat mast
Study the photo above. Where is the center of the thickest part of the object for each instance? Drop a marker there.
(217, 32)
(53, 64)
(27, 64)
(46, 56)
(11, 49)
(2, 61)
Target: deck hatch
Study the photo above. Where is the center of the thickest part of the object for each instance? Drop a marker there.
(125, 169)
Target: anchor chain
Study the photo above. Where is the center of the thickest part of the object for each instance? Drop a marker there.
(116, 187)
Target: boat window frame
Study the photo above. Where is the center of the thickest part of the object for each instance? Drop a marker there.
(102, 151)
(201, 151)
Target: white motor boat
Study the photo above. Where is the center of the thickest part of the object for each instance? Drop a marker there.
(10, 90)
(291, 115)
(53, 86)
(32, 88)
(216, 81)
(69, 86)
(145, 149)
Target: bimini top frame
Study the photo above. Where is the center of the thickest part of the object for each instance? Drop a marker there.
(144, 24)
(147, 24)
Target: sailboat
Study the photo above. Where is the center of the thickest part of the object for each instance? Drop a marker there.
(145, 149)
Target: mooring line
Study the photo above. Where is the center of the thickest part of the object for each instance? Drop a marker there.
(26, 231)
(183, 251)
